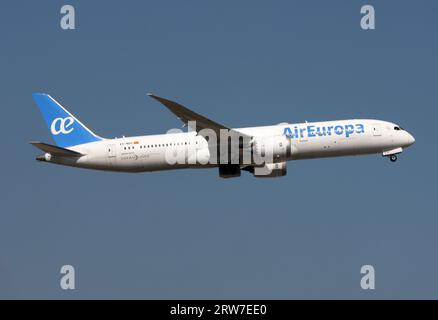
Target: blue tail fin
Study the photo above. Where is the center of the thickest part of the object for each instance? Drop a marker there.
(66, 130)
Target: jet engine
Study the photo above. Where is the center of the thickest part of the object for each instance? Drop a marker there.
(271, 149)
(229, 171)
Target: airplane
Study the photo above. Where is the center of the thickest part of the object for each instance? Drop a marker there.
(262, 151)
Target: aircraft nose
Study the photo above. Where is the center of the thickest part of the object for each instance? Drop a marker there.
(411, 139)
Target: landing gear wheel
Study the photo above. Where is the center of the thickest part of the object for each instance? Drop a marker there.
(393, 158)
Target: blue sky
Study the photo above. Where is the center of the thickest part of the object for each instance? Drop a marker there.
(188, 234)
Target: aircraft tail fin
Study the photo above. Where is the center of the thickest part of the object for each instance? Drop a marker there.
(66, 130)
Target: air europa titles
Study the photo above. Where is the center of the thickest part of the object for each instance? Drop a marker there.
(313, 131)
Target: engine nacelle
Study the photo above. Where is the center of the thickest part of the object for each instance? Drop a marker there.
(229, 171)
(272, 149)
(271, 170)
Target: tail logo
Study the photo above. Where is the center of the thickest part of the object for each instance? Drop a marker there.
(63, 127)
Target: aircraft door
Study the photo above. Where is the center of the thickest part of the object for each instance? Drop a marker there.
(377, 131)
(111, 153)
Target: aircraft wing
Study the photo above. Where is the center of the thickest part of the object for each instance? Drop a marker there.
(186, 115)
(54, 150)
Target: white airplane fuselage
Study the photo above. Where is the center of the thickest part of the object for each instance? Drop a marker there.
(307, 140)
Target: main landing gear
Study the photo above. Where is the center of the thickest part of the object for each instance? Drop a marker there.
(393, 158)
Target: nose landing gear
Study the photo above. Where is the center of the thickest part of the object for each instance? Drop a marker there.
(392, 154)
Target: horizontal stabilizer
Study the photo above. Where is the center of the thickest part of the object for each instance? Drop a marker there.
(55, 151)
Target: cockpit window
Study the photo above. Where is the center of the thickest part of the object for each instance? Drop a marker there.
(396, 128)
